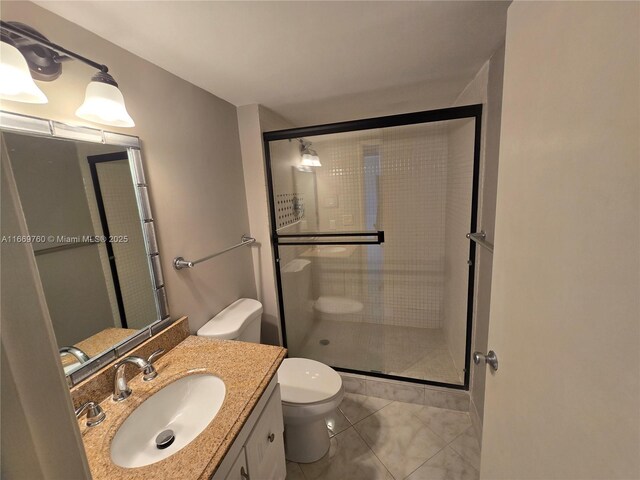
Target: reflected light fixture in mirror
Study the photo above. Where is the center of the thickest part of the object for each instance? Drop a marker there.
(28, 55)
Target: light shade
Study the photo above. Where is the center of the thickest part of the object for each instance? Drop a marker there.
(308, 156)
(310, 159)
(15, 79)
(104, 103)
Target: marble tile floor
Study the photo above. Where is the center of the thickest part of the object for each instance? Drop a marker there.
(404, 351)
(377, 439)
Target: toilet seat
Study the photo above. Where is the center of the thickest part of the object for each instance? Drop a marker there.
(307, 382)
(337, 396)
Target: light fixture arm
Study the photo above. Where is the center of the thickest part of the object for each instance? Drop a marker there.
(45, 43)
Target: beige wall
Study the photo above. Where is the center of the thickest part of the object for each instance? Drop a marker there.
(253, 120)
(565, 308)
(191, 153)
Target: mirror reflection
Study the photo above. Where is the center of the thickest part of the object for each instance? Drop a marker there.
(80, 206)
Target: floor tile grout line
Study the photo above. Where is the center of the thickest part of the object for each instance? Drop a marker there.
(420, 466)
(460, 434)
(468, 462)
(421, 422)
(376, 411)
(462, 457)
(304, 476)
(374, 453)
(412, 414)
(436, 433)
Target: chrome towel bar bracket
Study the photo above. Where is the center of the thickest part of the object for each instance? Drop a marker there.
(480, 238)
(179, 262)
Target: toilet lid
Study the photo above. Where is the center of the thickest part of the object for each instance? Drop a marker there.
(307, 381)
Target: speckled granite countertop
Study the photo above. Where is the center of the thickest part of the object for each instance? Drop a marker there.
(245, 368)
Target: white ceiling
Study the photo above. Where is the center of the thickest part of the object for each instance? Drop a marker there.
(312, 62)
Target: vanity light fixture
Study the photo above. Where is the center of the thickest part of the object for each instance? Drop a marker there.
(104, 103)
(26, 55)
(15, 80)
(309, 157)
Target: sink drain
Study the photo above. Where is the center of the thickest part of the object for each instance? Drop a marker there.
(165, 439)
(324, 341)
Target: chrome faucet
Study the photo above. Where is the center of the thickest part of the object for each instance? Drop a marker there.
(95, 414)
(76, 352)
(121, 390)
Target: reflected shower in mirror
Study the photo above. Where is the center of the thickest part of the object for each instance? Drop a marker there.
(81, 211)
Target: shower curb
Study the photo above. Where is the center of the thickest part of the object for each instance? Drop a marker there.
(407, 392)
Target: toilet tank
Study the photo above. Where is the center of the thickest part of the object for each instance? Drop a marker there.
(239, 321)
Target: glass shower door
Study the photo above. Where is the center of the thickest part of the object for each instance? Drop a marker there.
(374, 268)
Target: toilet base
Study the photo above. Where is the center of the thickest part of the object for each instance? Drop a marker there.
(306, 443)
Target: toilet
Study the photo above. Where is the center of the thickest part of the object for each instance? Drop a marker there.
(310, 390)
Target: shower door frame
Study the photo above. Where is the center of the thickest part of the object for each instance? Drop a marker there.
(428, 116)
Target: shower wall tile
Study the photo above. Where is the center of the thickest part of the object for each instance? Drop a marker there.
(407, 168)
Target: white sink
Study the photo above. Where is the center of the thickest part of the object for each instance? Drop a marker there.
(185, 407)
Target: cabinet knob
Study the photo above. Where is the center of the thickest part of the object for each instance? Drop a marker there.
(244, 474)
(271, 437)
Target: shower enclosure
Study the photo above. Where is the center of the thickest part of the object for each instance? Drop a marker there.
(369, 221)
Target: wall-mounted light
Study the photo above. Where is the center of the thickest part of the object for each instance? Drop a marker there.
(104, 103)
(15, 80)
(26, 55)
(308, 156)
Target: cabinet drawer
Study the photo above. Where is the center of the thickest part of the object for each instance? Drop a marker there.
(265, 445)
(239, 469)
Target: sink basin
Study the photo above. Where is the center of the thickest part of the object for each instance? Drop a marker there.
(333, 249)
(184, 407)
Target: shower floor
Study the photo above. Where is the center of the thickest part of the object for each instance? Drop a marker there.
(420, 353)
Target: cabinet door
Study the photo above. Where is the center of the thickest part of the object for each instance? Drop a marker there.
(265, 445)
(239, 470)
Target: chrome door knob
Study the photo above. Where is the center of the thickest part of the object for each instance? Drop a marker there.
(490, 358)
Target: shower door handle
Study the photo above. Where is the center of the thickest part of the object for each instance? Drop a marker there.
(490, 359)
(318, 238)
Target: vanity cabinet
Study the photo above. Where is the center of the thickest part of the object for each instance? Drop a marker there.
(258, 451)
(239, 469)
(265, 446)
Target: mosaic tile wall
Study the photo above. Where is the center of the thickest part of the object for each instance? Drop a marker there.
(392, 180)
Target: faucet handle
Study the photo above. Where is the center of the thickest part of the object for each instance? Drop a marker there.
(95, 414)
(149, 372)
(155, 355)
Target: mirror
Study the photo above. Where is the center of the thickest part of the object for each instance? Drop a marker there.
(90, 226)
